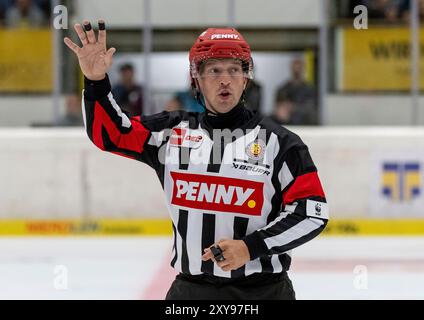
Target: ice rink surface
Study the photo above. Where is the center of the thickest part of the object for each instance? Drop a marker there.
(138, 268)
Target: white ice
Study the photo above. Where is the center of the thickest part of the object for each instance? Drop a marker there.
(138, 268)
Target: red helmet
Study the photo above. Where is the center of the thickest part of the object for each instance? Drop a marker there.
(219, 43)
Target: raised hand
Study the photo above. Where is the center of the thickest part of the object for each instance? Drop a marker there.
(94, 59)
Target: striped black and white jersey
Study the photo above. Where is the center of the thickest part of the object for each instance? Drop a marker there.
(257, 183)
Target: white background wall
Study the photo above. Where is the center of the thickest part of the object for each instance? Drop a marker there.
(25, 110)
(368, 109)
(59, 173)
(168, 13)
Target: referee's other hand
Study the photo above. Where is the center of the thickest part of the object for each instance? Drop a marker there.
(235, 252)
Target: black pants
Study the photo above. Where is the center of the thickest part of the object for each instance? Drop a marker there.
(253, 287)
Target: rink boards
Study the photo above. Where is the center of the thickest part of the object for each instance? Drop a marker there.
(161, 227)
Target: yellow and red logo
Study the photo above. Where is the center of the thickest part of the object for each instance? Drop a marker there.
(256, 150)
(216, 193)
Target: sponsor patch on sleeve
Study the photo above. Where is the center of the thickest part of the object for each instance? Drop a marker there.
(182, 137)
(317, 209)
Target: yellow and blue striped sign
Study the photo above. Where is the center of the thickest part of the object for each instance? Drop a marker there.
(401, 181)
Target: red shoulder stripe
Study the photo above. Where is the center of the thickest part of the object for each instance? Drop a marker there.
(304, 186)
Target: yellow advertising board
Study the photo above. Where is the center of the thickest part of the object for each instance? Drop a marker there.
(25, 60)
(163, 227)
(99, 227)
(377, 58)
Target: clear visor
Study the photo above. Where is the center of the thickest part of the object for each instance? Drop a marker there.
(216, 70)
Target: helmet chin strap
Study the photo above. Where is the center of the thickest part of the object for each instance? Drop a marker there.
(198, 94)
(196, 90)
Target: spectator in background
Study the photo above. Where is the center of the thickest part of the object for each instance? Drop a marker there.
(3, 7)
(128, 94)
(184, 100)
(24, 14)
(72, 116)
(46, 7)
(383, 10)
(253, 95)
(405, 8)
(174, 104)
(282, 112)
(301, 94)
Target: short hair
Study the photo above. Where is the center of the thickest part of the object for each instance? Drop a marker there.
(126, 66)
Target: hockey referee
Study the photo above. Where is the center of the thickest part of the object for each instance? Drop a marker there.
(241, 190)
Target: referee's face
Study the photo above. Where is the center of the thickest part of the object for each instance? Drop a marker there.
(222, 82)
